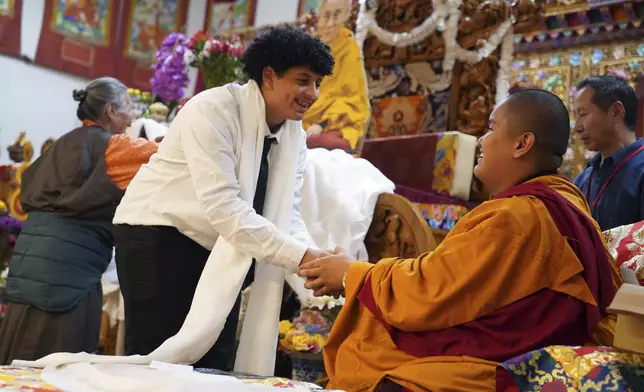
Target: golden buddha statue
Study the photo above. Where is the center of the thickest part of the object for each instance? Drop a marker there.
(21, 152)
(338, 119)
(158, 112)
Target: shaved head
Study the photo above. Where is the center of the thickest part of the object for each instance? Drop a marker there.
(527, 136)
(545, 116)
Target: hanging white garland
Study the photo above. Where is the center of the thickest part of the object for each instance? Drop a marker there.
(445, 18)
(505, 63)
(367, 23)
(449, 39)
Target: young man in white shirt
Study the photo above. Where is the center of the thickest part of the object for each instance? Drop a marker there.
(195, 191)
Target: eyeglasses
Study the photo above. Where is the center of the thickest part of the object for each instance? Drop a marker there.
(127, 109)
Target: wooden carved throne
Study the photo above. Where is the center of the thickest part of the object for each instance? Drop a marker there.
(397, 230)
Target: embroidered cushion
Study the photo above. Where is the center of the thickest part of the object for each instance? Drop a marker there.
(626, 245)
(562, 369)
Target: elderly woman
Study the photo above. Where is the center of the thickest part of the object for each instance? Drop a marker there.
(70, 193)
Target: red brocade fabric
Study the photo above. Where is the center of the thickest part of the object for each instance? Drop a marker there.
(414, 162)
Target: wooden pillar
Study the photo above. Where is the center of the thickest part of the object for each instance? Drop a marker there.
(639, 90)
(454, 97)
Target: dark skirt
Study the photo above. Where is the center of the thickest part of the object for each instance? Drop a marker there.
(29, 333)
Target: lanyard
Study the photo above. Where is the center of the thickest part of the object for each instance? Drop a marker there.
(90, 123)
(615, 170)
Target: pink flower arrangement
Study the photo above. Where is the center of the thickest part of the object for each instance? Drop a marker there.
(218, 58)
(216, 46)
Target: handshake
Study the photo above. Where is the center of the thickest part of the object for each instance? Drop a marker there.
(325, 272)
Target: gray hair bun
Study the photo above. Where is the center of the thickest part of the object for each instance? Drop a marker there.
(79, 95)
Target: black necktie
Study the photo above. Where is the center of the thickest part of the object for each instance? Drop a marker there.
(262, 179)
(260, 197)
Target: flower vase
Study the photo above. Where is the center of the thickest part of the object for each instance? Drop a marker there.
(307, 367)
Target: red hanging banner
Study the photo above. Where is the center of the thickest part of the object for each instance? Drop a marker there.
(79, 37)
(10, 14)
(146, 24)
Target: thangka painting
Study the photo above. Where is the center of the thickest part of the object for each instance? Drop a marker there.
(79, 37)
(147, 23)
(10, 15)
(224, 16)
(395, 86)
(85, 20)
(306, 6)
(7, 7)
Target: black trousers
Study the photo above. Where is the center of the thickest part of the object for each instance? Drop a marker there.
(158, 270)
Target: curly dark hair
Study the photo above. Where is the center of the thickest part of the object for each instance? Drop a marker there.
(282, 48)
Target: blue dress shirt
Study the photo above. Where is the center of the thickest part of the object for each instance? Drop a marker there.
(622, 202)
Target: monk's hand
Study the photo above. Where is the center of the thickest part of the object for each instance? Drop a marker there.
(314, 130)
(325, 275)
(316, 254)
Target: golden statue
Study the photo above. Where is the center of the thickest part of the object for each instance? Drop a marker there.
(338, 119)
(158, 112)
(21, 152)
(47, 145)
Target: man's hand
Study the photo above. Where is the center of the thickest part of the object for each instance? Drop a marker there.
(314, 130)
(325, 275)
(312, 254)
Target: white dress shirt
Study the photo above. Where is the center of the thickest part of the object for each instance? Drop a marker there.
(192, 184)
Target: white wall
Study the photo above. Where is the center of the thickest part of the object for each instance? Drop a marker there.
(39, 100)
(275, 11)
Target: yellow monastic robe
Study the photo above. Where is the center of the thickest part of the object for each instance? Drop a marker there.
(502, 252)
(343, 102)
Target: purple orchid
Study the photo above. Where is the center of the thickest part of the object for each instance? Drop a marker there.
(170, 73)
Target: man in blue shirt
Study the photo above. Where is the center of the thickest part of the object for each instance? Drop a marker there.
(605, 110)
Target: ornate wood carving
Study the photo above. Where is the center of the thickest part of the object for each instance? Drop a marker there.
(401, 16)
(475, 84)
(397, 230)
(527, 14)
(556, 7)
(351, 23)
(478, 21)
(477, 92)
